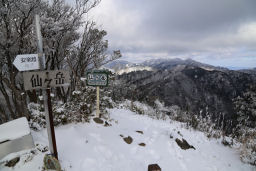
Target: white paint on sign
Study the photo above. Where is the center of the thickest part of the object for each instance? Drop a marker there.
(97, 79)
(27, 62)
(45, 79)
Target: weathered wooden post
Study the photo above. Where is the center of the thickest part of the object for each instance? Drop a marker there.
(98, 102)
(46, 93)
(97, 78)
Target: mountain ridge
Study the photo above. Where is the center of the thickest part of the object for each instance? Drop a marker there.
(196, 89)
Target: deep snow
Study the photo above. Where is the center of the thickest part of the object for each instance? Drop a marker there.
(14, 129)
(91, 146)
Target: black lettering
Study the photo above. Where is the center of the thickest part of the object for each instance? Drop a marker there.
(36, 81)
(23, 60)
(59, 79)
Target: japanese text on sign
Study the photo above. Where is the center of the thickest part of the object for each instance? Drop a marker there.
(46, 79)
(28, 59)
(98, 78)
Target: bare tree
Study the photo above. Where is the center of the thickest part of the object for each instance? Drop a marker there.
(15, 25)
(91, 53)
(60, 24)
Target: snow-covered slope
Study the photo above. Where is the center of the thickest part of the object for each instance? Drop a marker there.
(134, 68)
(93, 147)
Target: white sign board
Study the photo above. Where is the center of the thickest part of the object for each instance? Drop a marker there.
(26, 62)
(45, 79)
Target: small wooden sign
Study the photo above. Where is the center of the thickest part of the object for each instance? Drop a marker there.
(97, 78)
(26, 62)
(46, 79)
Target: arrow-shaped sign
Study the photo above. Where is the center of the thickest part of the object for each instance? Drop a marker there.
(26, 62)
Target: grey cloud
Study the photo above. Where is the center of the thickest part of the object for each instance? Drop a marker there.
(180, 26)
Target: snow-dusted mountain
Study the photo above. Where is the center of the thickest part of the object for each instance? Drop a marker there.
(118, 65)
(249, 71)
(194, 87)
(121, 66)
(162, 64)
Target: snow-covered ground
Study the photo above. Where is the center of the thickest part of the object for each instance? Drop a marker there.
(91, 146)
(14, 129)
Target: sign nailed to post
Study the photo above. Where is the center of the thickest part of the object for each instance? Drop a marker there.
(46, 79)
(27, 62)
(97, 78)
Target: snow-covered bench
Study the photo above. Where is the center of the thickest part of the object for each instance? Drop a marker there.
(15, 136)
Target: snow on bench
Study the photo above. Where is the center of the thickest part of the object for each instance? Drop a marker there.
(15, 136)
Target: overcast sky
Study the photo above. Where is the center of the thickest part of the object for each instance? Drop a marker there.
(217, 32)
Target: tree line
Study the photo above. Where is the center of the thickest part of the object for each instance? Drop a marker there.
(64, 44)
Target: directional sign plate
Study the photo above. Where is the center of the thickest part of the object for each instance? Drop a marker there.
(46, 79)
(97, 78)
(26, 62)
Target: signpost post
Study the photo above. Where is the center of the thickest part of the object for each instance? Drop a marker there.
(98, 102)
(38, 81)
(97, 78)
(42, 80)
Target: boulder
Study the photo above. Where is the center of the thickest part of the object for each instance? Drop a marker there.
(184, 144)
(142, 144)
(12, 162)
(128, 140)
(51, 163)
(140, 132)
(98, 120)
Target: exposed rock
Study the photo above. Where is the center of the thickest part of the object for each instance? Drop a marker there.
(171, 136)
(140, 132)
(184, 144)
(128, 140)
(33, 151)
(142, 144)
(107, 124)
(226, 143)
(51, 163)
(42, 149)
(98, 120)
(154, 167)
(121, 135)
(12, 162)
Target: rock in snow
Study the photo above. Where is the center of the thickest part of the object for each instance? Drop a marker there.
(128, 140)
(94, 147)
(183, 144)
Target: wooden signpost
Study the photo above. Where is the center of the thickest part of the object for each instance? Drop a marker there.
(45, 79)
(27, 62)
(97, 78)
(42, 80)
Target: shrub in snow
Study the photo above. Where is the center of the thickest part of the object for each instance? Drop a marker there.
(245, 131)
(78, 109)
(37, 117)
(248, 145)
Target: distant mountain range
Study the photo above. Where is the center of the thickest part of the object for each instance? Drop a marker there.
(193, 86)
(170, 63)
(162, 64)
